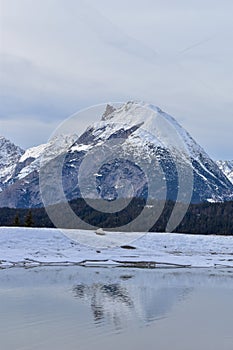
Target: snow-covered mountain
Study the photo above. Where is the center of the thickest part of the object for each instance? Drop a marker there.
(143, 140)
(148, 140)
(227, 168)
(9, 157)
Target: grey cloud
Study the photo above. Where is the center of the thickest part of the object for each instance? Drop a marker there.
(59, 56)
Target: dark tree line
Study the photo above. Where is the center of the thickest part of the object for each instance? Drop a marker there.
(204, 218)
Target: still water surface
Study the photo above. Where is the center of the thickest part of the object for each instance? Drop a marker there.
(75, 308)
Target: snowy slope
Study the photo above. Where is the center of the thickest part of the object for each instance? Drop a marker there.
(227, 168)
(31, 159)
(9, 156)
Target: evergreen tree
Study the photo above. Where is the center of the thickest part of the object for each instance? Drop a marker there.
(28, 219)
(16, 220)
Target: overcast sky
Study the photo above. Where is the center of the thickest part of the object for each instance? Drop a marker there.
(57, 56)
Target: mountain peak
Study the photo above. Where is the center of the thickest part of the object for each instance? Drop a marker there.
(157, 126)
(130, 106)
(9, 156)
(108, 112)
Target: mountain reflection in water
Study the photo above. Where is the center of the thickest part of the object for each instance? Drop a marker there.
(122, 302)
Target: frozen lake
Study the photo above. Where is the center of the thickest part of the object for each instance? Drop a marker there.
(30, 247)
(77, 308)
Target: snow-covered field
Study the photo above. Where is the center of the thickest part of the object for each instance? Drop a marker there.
(33, 246)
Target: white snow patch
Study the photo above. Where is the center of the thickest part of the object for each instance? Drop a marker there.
(79, 148)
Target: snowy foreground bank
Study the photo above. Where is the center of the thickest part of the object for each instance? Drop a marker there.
(28, 247)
